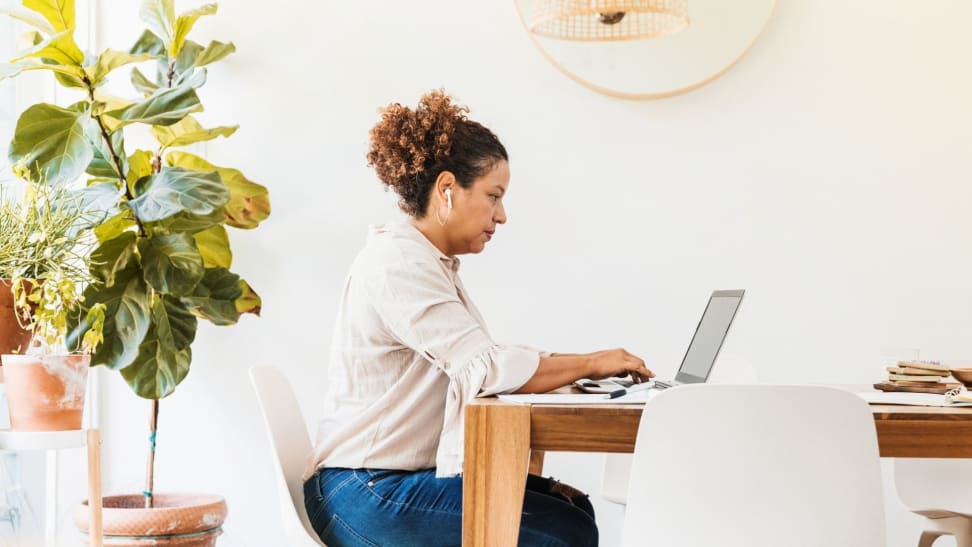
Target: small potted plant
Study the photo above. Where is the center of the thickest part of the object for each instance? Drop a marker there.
(43, 259)
(163, 257)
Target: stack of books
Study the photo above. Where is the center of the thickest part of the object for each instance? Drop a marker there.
(922, 376)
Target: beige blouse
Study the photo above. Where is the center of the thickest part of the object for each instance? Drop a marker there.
(409, 351)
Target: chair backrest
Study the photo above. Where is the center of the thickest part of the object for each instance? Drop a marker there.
(729, 369)
(754, 466)
(291, 447)
(929, 484)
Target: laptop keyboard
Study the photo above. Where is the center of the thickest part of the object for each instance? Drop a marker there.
(628, 382)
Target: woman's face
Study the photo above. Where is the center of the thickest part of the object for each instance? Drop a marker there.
(477, 210)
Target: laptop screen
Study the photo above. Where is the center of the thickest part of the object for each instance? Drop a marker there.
(709, 335)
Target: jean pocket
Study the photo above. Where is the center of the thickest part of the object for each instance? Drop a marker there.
(340, 533)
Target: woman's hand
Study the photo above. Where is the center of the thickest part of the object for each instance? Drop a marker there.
(618, 363)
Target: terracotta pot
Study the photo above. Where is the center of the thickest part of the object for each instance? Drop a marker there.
(183, 520)
(13, 338)
(45, 392)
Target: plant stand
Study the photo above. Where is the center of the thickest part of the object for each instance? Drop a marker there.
(52, 441)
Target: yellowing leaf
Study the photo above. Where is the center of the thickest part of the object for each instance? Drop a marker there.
(184, 24)
(60, 13)
(189, 131)
(110, 60)
(60, 49)
(249, 203)
(214, 246)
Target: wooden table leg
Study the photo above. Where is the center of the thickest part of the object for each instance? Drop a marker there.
(94, 488)
(497, 446)
(536, 462)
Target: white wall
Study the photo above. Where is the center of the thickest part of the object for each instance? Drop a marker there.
(828, 174)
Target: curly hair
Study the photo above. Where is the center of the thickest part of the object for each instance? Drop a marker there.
(410, 148)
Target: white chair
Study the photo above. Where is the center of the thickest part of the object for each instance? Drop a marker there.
(291, 447)
(730, 369)
(755, 466)
(939, 491)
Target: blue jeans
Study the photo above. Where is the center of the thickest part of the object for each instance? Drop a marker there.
(387, 507)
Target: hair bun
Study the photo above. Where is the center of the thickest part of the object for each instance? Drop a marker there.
(406, 141)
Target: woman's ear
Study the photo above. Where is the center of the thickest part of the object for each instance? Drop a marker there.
(444, 187)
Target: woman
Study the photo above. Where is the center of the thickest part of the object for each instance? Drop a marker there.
(410, 350)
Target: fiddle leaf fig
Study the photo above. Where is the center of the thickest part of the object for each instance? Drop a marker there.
(110, 60)
(171, 263)
(126, 319)
(215, 297)
(174, 190)
(53, 142)
(249, 202)
(159, 16)
(189, 131)
(159, 367)
(185, 23)
(214, 247)
(162, 252)
(164, 107)
(59, 13)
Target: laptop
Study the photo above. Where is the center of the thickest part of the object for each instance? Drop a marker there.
(702, 351)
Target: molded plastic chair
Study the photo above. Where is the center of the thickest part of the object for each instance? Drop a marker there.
(617, 467)
(291, 447)
(939, 491)
(755, 466)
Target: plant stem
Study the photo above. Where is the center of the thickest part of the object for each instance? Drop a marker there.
(114, 155)
(150, 475)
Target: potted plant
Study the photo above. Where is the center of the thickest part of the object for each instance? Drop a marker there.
(43, 260)
(163, 257)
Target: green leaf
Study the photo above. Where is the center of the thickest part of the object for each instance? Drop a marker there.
(186, 59)
(171, 263)
(184, 24)
(102, 164)
(149, 44)
(194, 78)
(126, 319)
(101, 198)
(110, 60)
(70, 80)
(215, 297)
(186, 222)
(214, 246)
(59, 49)
(175, 189)
(249, 202)
(176, 326)
(113, 227)
(159, 16)
(214, 52)
(30, 17)
(189, 131)
(141, 82)
(164, 107)
(54, 142)
(158, 369)
(59, 13)
(249, 301)
(113, 256)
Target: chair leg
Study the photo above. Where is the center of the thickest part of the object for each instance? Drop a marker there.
(963, 540)
(928, 537)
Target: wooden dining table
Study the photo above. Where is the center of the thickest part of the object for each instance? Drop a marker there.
(504, 440)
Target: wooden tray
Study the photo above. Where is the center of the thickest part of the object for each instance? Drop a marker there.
(940, 389)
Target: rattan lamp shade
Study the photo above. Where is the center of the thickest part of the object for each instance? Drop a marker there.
(607, 20)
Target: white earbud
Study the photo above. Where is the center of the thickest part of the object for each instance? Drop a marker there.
(448, 194)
